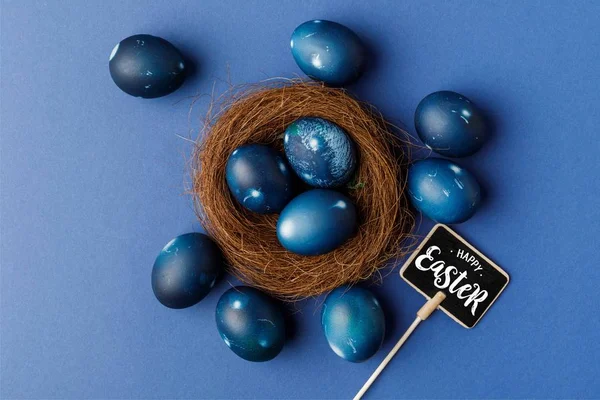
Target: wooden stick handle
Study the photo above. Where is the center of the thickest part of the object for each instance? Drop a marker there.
(424, 313)
(387, 359)
(431, 305)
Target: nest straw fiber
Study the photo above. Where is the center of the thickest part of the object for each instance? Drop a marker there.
(260, 114)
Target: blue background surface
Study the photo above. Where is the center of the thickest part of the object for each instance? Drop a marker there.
(93, 185)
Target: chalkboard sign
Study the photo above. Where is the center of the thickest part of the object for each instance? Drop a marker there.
(446, 262)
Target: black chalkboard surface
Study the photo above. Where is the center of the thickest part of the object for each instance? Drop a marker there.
(446, 262)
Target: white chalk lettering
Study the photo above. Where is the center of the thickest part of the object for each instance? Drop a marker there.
(427, 256)
(445, 274)
(476, 297)
(471, 259)
(461, 276)
(461, 290)
(472, 294)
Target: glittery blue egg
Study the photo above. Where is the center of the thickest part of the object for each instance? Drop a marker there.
(316, 222)
(320, 152)
(329, 52)
(450, 124)
(353, 322)
(147, 66)
(259, 178)
(250, 323)
(443, 191)
(185, 270)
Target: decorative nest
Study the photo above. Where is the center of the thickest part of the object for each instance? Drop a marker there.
(249, 241)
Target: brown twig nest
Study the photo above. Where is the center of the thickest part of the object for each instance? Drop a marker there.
(249, 241)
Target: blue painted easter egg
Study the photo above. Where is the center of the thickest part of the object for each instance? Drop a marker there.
(259, 178)
(443, 191)
(329, 52)
(316, 222)
(320, 152)
(147, 66)
(353, 322)
(185, 270)
(450, 124)
(250, 323)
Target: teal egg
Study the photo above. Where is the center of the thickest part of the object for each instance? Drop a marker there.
(450, 124)
(329, 52)
(353, 322)
(316, 222)
(443, 190)
(320, 152)
(147, 66)
(250, 323)
(259, 178)
(186, 270)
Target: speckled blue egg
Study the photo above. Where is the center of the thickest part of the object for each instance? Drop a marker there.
(147, 66)
(316, 222)
(259, 178)
(329, 52)
(353, 323)
(250, 323)
(443, 191)
(450, 124)
(185, 270)
(320, 152)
